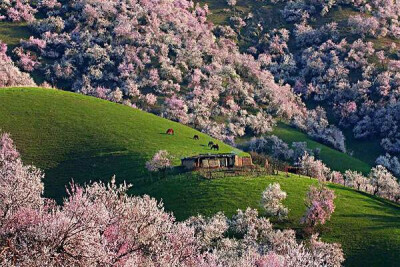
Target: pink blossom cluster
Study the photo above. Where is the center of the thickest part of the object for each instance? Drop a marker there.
(18, 10)
(10, 75)
(49, 4)
(358, 83)
(165, 50)
(337, 177)
(320, 205)
(314, 168)
(34, 43)
(379, 182)
(27, 61)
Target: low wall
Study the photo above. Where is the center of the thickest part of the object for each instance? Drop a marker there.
(246, 161)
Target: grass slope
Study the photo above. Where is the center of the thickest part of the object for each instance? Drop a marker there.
(367, 227)
(75, 136)
(85, 138)
(12, 32)
(333, 158)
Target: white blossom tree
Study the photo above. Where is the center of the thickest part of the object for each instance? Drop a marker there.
(355, 179)
(15, 179)
(383, 182)
(161, 161)
(271, 200)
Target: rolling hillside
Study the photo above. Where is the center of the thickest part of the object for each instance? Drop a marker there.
(270, 15)
(81, 138)
(84, 138)
(367, 227)
(333, 158)
(364, 151)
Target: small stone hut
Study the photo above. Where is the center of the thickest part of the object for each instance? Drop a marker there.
(216, 161)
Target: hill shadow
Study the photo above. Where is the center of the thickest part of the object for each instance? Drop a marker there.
(368, 196)
(125, 165)
(381, 221)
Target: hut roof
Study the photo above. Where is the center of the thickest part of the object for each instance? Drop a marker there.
(210, 156)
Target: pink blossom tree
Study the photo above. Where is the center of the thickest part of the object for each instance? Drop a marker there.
(18, 10)
(34, 43)
(332, 253)
(176, 109)
(98, 223)
(320, 206)
(49, 4)
(383, 182)
(337, 177)
(10, 75)
(150, 99)
(231, 2)
(313, 168)
(364, 26)
(355, 179)
(27, 61)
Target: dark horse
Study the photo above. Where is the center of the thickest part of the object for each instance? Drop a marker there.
(170, 131)
(210, 144)
(196, 137)
(215, 147)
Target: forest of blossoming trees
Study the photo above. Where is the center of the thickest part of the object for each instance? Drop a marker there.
(182, 67)
(142, 54)
(338, 64)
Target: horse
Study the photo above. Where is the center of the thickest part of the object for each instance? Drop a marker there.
(215, 147)
(170, 131)
(210, 144)
(196, 137)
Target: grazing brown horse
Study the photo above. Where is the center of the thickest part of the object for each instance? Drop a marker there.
(196, 137)
(215, 147)
(170, 131)
(210, 144)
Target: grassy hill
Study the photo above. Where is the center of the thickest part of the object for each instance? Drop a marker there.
(85, 138)
(333, 158)
(367, 227)
(75, 136)
(79, 137)
(12, 32)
